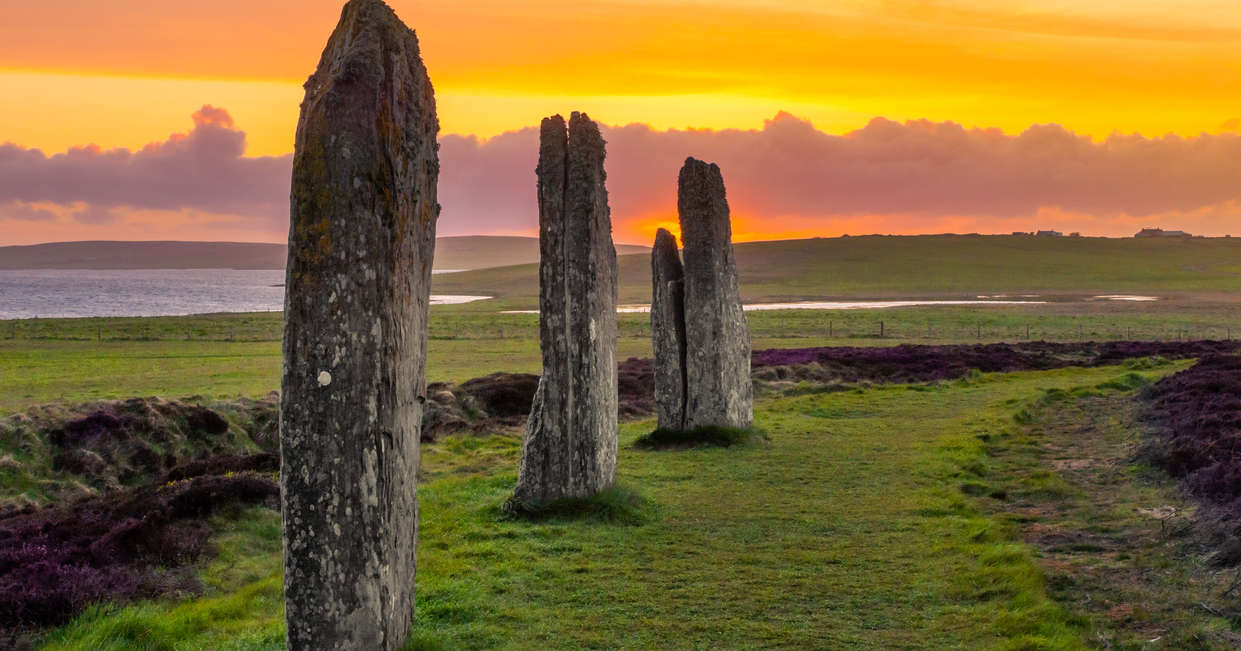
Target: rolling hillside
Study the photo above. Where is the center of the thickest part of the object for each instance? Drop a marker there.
(926, 266)
(143, 255)
(471, 252)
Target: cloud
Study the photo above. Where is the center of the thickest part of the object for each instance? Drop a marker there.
(26, 212)
(911, 177)
(201, 170)
(785, 179)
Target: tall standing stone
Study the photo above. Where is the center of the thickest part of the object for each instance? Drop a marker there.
(570, 443)
(717, 379)
(361, 243)
(668, 331)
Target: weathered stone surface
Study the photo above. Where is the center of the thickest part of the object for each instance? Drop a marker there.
(668, 330)
(717, 377)
(570, 443)
(361, 243)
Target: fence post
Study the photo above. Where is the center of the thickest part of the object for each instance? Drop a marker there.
(1027, 332)
(980, 332)
(831, 329)
(881, 329)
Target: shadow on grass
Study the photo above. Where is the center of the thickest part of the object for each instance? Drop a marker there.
(719, 437)
(616, 505)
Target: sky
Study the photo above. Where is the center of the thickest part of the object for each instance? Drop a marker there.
(149, 119)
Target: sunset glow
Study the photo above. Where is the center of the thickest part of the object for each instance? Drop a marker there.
(1096, 68)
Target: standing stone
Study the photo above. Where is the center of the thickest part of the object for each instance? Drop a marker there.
(668, 331)
(717, 378)
(361, 243)
(570, 443)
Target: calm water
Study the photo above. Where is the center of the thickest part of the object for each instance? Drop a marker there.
(26, 294)
(820, 305)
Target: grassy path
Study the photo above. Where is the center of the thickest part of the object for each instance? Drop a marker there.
(851, 528)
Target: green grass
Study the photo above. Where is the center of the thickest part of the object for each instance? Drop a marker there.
(242, 606)
(615, 505)
(853, 527)
(1114, 536)
(722, 437)
(226, 355)
(940, 265)
(61, 360)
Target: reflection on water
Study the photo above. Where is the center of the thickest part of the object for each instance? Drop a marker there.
(822, 305)
(451, 299)
(52, 293)
(1125, 297)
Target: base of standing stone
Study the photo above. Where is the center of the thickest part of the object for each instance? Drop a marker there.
(616, 505)
(719, 437)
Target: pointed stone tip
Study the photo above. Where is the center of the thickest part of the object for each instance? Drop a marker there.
(698, 166)
(699, 174)
(365, 22)
(553, 128)
(585, 131)
(579, 119)
(359, 6)
(664, 237)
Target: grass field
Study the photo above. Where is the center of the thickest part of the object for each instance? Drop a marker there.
(927, 266)
(1198, 282)
(959, 514)
(229, 355)
(860, 524)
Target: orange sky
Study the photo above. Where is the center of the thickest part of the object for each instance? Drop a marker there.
(127, 72)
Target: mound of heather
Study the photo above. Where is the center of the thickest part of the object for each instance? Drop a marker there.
(268, 462)
(1197, 413)
(74, 452)
(914, 363)
(506, 396)
(56, 561)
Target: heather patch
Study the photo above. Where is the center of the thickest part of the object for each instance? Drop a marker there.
(914, 363)
(1197, 414)
(127, 544)
(61, 454)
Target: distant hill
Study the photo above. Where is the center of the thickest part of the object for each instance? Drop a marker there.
(143, 255)
(486, 251)
(472, 252)
(962, 266)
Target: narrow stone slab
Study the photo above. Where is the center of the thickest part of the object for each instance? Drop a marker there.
(361, 243)
(570, 443)
(718, 387)
(668, 330)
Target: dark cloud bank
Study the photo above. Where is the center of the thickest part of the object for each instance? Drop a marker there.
(787, 169)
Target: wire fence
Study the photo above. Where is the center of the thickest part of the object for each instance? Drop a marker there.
(846, 330)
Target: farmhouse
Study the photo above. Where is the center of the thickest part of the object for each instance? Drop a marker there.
(1159, 232)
